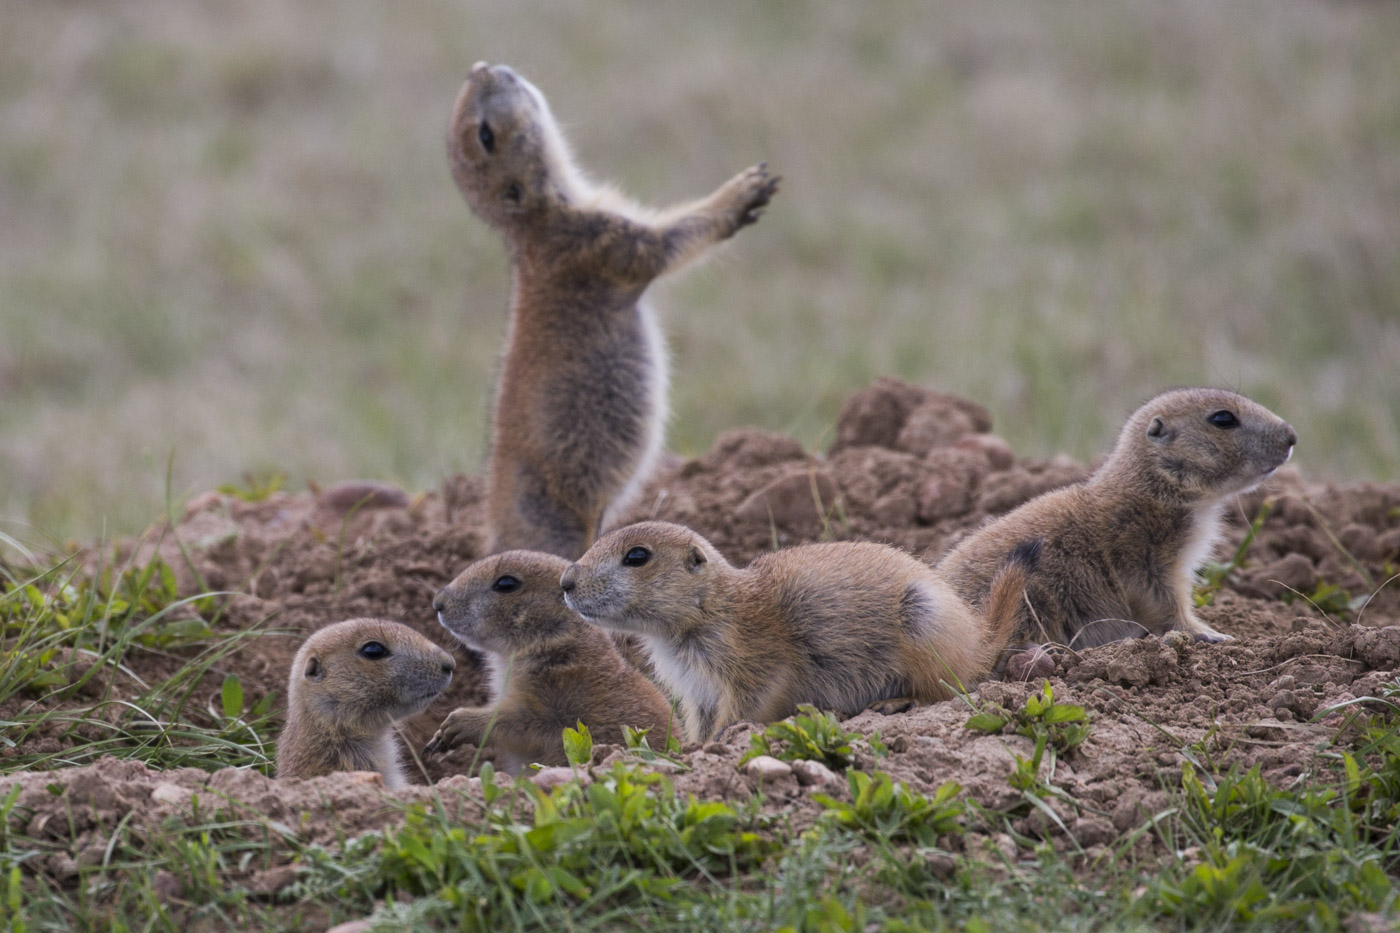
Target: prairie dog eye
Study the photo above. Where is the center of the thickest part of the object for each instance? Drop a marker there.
(636, 557)
(1224, 419)
(374, 651)
(486, 137)
(506, 584)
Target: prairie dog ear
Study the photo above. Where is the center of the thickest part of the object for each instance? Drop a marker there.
(1156, 429)
(695, 558)
(314, 670)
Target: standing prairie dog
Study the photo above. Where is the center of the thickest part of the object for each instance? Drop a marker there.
(841, 625)
(1118, 551)
(548, 668)
(349, 683)
(580, 407)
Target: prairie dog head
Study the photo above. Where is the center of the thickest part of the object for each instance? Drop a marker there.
(362, 674)
(649, 578)
(1203, 444)
(506, 151)
(506, 603)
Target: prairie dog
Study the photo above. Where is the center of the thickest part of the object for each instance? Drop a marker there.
(580, 405)
(350, 682)
(841, 625)
(548, 668)
(1118, 551)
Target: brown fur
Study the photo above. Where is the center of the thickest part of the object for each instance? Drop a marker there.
(1118, 551)
(581, 403)
(549, 669)
(341, 705)
(841, 626)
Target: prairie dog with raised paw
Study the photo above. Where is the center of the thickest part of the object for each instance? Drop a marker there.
(841, 625)
(1118, 551)
(580, 406)
(548, 668)
(350, 682)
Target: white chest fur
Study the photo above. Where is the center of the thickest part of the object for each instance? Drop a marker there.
(688, 678)
(1205, 535)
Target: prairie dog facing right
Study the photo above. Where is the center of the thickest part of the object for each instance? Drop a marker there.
(548, 668)
(1119, 550)
(350, 682)
(841, 625)
(580, 404)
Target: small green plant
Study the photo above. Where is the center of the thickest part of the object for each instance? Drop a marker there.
(638, 742)
(813, 735)
(883, 809)
(256, 486)
(578, 745)
(1063, 725)
(1329, 599)
(1213, 575)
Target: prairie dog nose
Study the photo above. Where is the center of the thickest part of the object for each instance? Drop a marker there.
(570, 578)
(438, 602)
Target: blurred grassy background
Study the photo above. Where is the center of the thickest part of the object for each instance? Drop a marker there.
(228, 229)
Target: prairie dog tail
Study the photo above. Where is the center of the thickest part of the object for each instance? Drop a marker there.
(1006, 603)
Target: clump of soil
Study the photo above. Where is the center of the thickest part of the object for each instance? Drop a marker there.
(911, 467)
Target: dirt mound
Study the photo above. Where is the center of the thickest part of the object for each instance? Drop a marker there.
(911, 467)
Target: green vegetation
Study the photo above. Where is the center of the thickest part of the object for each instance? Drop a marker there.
(814, 735)
(1063, 726)
(233, 233)
(68, 634)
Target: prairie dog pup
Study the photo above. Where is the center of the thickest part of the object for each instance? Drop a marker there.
(840, 625)
(580, 407)
(548, 668)
(350, 681)
(1117, 552)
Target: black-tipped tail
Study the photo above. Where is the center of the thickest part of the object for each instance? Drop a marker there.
(1006, 603)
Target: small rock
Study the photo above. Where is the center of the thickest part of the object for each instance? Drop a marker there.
(362, 495)
(172, 794)
(767, 768)
(1379, 648)
(264, 884)
(1000, 456)
(352, 926)
(1363, 542)
(1266, 731)
(1337, 714)
(550, 778)
(1292, 573)
(813, 773)
(941, 865)
(1093, 831)
(1032, 665)
(460, 782)
(166, 886)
